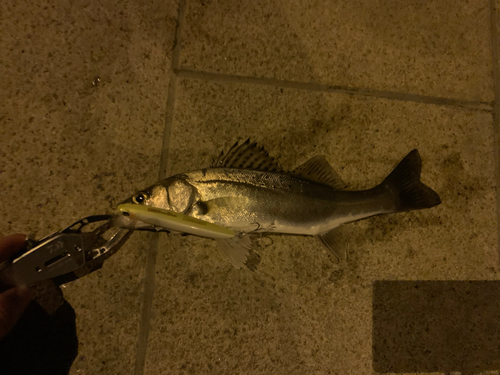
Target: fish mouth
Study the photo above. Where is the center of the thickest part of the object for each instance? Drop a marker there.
(121, 220)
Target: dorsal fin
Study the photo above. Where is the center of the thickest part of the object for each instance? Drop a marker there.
(319, 170)
(246, 156)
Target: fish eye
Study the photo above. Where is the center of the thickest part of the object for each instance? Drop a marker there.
(139, 198)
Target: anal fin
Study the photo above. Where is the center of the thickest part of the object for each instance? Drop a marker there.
(332, 241)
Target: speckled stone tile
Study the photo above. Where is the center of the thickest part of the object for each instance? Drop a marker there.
(210, 318)
(303, 311)
(82, 113)
(439, 48)
(107, 305)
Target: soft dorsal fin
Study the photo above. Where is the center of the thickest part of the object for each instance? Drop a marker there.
(247, 156)
(319, 170)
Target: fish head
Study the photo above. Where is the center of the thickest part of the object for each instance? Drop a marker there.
(173, 194)
(154, 196)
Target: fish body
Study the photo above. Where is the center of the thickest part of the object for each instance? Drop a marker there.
(259, 201)
(246, 191)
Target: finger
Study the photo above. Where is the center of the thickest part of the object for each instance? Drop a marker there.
(13, 302)
(9, 245)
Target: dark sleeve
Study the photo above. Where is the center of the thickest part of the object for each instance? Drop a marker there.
(40, 343)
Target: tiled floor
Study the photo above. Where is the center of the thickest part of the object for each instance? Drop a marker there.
(99, 99)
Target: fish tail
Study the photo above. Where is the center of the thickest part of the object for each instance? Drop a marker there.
(404, 182)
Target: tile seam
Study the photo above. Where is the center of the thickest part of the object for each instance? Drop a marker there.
(318, 87)
(149, 283)
(496, 112)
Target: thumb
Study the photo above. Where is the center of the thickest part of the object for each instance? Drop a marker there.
(13, 302)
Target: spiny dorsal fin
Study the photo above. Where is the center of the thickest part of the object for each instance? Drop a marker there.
(246, 156)
(319, 170)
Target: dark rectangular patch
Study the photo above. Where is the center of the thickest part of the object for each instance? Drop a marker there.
(436, 326)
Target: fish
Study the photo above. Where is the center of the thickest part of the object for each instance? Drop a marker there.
(247, 191)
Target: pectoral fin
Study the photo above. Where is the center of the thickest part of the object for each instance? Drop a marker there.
(331, 240)
(240, 252)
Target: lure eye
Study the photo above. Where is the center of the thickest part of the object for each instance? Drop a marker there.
(139, 198)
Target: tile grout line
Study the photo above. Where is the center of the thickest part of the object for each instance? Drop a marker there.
(149, 284)
(310, 86)
(496, 112)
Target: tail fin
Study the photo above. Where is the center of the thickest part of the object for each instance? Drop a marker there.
(404, 182)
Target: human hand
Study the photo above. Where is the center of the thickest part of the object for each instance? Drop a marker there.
(13, 301)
